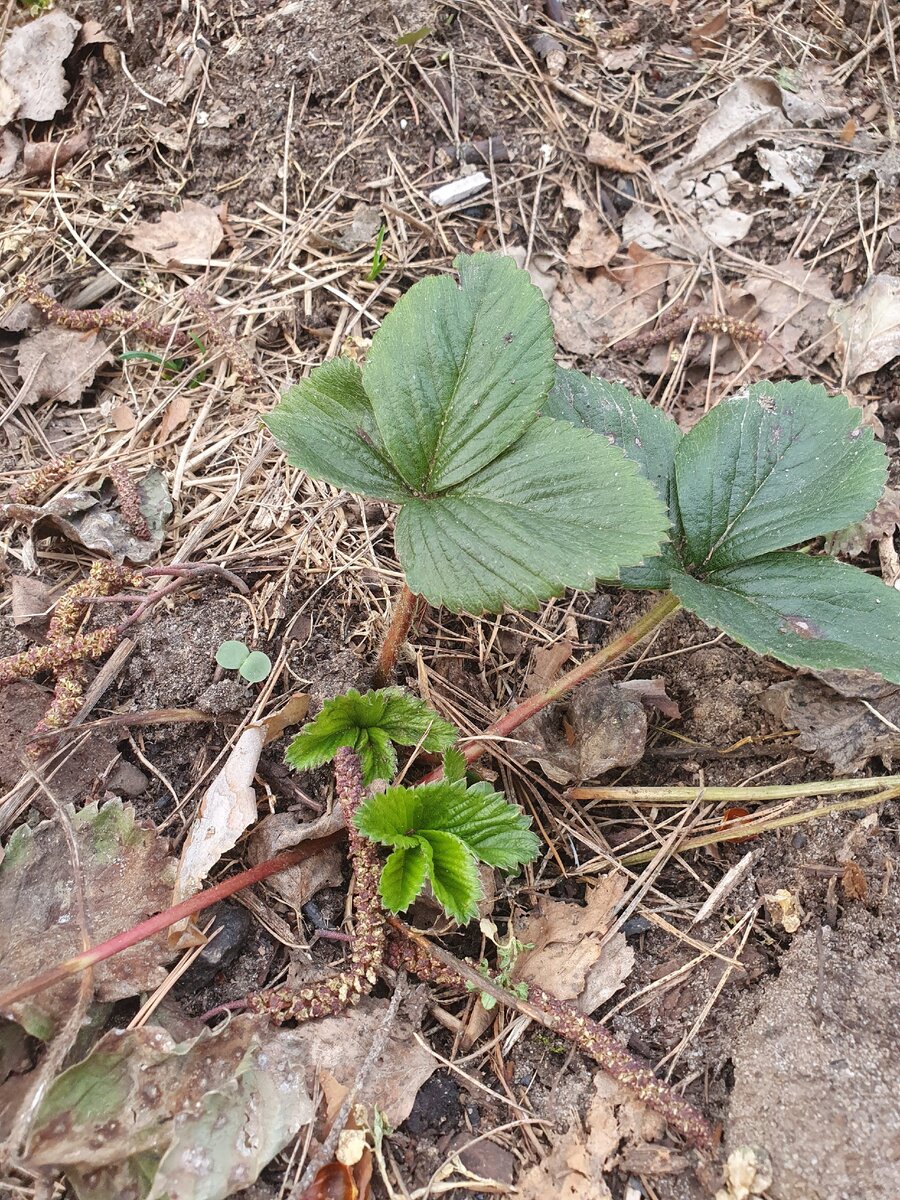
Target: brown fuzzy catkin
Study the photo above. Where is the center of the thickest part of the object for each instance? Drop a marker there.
(130, 503)
(589, 1036)
(330, 996)
(89, 320)
(33, 488)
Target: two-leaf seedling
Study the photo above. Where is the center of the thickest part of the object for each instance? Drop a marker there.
(252, 665)
(515, 480)
(439, 832)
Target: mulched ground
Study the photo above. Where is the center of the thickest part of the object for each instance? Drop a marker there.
(306, 125)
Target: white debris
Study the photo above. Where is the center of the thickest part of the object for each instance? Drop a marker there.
(459, 189)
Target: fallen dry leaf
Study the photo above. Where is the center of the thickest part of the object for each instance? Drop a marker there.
(593, 245)
(748, 1173)
(652, 694)
(785, 909)
(859, 538)
(126, 877)
(575, 1166)
(793, 169)
(790, 303)
(32, 600)
(869, 326)
(590, 313)
(538, 268)
(834, 717)
(32, 63)
(567, 958)
(85, 518)
(746, 111)
(228, 808)
(177, 412)
(282, 831)
(42, 158)
(10, 145)
(614, 156)
(187, 238)
(9, 102)
(59, 364)
(597, 728)
(200, 1116)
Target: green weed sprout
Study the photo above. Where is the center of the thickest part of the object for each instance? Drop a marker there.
(252, 665)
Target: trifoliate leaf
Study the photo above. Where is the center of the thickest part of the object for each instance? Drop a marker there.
(326, 426)
(403, 877)
(805, 611)
(255, 667)
(231, 655)
(453, 873)
(500, 508)
(369, 724)
(643, 433)
(449, 824)
(561, 508)
(457, 373)
(770, 468)
(495, 831)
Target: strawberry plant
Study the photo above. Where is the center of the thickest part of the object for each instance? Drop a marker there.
(499, 505)
(749, 489)
(438, 832)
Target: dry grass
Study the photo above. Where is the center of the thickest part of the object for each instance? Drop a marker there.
(290, 296)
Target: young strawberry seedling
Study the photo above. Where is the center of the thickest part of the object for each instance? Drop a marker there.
(499, 505)
(514, 481)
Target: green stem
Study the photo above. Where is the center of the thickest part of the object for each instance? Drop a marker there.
(504, 726)
(169, 916)
(403, 615)
(720, 795)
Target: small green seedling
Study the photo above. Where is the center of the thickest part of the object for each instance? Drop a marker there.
(378, 259)
(439, 832)
(169, 367)
(252, 665)
(414, 36)
(501, 972)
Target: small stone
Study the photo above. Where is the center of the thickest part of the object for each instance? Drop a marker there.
(126, 779)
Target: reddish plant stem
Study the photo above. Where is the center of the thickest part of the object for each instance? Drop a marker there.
(169, 916)
(404, 613)
(511, 721)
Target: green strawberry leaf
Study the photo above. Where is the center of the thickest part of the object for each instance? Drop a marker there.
(481, 821)
(804, 611)
(326, 426)
(772, 467)
(370, 723)
(452, 873)
(499, 507)
(561, 508)
(457, 373)
(455, 765)
(643, 433)
(403, 877)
